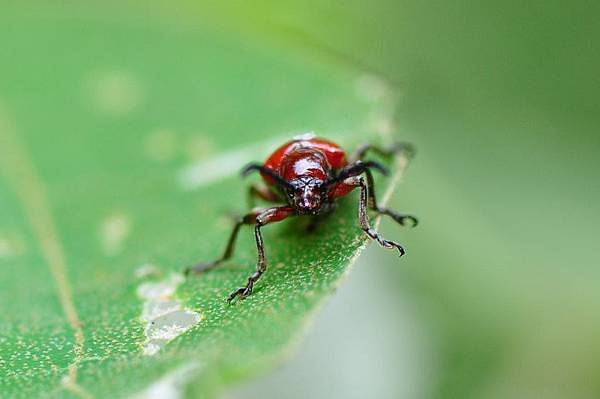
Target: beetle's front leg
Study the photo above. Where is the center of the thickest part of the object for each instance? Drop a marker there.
(270, 215)
(363, 214)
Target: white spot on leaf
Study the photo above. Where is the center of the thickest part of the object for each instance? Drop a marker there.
(172, 385)
(161, 145)
(164, 315)
(160, 290)
(6, 249)
(147, 270)
(199, 147)
(372, 88)
(154, 309)
(113, 232)
(11, 246)
(114, 92)
(226, 164)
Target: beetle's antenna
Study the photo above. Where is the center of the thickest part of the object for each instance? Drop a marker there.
(356, 169)
(263, 169)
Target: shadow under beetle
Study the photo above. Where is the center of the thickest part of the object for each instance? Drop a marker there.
(309, 174)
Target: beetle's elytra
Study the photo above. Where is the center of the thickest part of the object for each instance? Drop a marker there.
(307, 175)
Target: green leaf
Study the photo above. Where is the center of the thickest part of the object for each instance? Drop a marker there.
(121, 133)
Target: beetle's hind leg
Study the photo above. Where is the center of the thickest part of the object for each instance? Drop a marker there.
(202, 267)
(394, 149)
(400, 218)
(397, 148)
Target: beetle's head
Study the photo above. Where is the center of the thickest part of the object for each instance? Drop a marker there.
(306, 195)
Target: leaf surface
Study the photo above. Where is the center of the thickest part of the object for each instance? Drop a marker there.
(121, 133)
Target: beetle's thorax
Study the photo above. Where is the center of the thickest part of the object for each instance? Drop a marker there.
(305, 162)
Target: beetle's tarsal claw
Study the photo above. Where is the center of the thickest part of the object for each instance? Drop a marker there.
(234, 295)
(383, 242)
(401, 250)
(403, 219)
(240, 293)
(392, 244)
(399, 218)
(413, 220)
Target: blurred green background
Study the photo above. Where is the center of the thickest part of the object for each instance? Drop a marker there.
(499, 294)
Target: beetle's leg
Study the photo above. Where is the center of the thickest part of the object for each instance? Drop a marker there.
(354, 169)
(262, 192)
(265, 217)
(340, 188)
(348, 185)
(372, 202)
(250, 218)
(396, 148)
(256, 167)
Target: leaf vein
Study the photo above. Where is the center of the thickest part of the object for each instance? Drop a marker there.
(21, 172)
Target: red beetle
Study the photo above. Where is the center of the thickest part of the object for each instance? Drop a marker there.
(309, 174)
